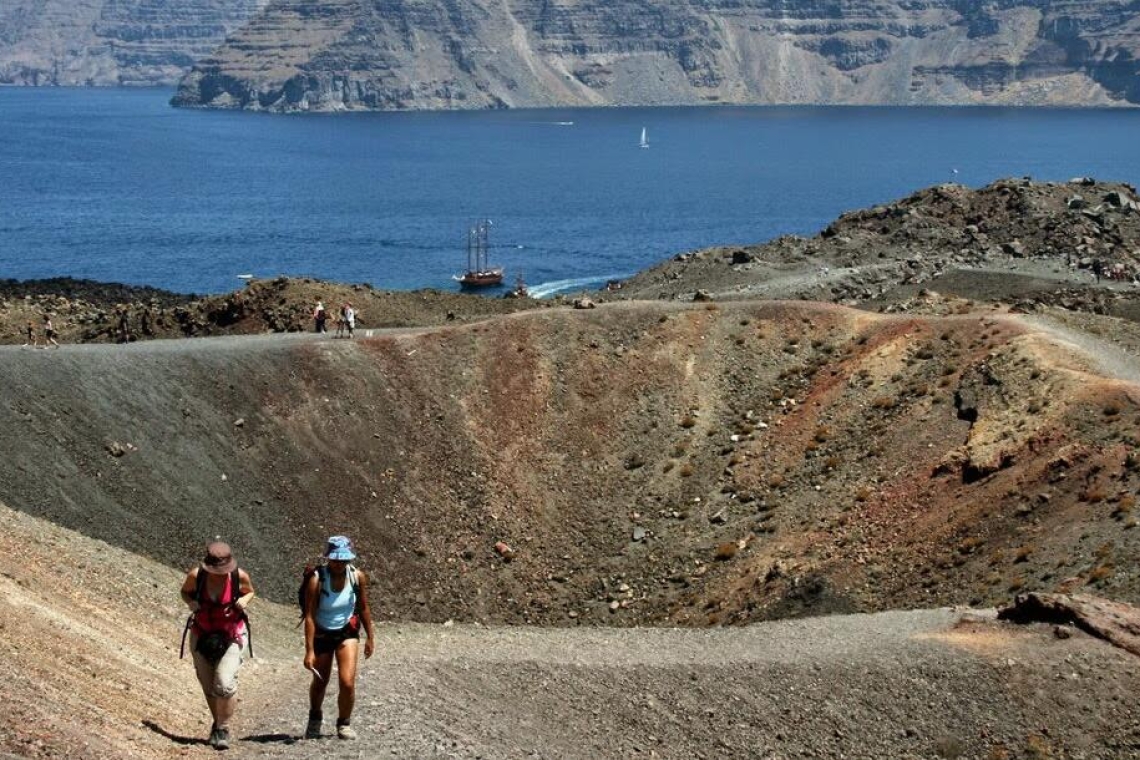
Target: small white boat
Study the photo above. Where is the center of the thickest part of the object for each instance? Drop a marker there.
(644, 139)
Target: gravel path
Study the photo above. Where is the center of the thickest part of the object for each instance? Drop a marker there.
(913, 684)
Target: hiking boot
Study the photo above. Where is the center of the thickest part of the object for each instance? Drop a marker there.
(213, 740)
(313, 729)
(345, 732)
(223, 738)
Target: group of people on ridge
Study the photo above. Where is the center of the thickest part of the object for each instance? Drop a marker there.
(49, 333)
(345, 321)
(334, 603)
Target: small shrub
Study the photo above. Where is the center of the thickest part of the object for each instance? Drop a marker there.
(968, 545)
(1101, 573)
(1021, 554)
(822, 434)
(883, 402)
(725, 551)
(1037, 747)
(680, 447)
(1017, 583)
(686, 470)
(811, 446)
(862, 493)
(777, 481)
(832, 462)
(1111, 409)
(1124, 506)
(1094, 494)
(688, 421)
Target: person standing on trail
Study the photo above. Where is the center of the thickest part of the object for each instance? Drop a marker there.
(350, 318)
(218, 593)
(49, 332)
(335, 605)
(31, 339)
(320, 317)
(340, 324)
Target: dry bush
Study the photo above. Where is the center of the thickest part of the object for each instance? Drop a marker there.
(883, 402)
(725, 551)
(1101, 573)
(1017, 583)
(686, 470)
(822, 433)
(1104, 550)
(777, 481)
(1037, 747)
(1111, 409)
(1094, 494)
(680, 447)
(688, 421)
(832, 462)
(1124, 506)
(968, 545)
(811, 446)
(862, 493)
(1021, 554)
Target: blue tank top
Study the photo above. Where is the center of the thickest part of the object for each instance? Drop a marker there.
(336, 607)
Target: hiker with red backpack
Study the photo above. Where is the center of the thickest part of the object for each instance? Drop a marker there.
(334, 603)
(218, 593)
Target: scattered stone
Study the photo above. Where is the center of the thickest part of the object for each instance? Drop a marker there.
(638, 534)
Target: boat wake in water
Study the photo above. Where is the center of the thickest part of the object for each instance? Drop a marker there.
(554, 287)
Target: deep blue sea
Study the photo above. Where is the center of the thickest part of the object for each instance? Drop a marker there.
(116, 185)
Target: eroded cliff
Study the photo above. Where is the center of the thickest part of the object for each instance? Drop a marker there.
(301, 55)
(111, 42)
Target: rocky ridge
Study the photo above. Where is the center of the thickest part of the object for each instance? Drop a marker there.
(1075, 243)
(301, 55)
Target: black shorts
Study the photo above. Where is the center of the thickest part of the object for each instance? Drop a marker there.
(327, 642)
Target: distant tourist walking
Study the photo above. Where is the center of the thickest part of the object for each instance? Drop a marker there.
(30, 331)
(49, 332)
(340, 323)
(218, 593)
(350, 318)
(335, 605)
(320, 317)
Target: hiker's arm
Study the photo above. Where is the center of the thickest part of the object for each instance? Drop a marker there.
(190, 589)
(312, 599)
(366, 613)
(245, 585)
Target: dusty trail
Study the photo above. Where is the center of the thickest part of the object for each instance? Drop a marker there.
(913, 684)
(1107, 358)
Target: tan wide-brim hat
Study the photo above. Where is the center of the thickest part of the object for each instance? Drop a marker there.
(219, 559)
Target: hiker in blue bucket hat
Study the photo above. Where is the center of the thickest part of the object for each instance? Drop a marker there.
(334, 602)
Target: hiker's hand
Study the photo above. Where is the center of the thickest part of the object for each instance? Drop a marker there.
(310, 661)
(239, 605)
(369, 645)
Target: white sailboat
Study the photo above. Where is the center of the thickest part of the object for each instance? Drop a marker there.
(644, 139)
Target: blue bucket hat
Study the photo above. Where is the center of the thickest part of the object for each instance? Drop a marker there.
(340, 548)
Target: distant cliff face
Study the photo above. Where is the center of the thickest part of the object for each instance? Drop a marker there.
(328, 55)
(109, 42)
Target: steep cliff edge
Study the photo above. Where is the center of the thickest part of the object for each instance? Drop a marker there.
(301, 55)
(111, 42)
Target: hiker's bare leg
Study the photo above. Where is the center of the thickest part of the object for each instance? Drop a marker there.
(223, 711)
(318, 686)
(346, 656)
